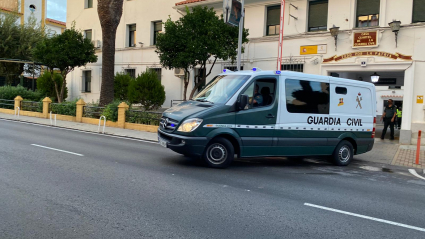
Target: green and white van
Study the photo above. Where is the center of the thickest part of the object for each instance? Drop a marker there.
(266, 114)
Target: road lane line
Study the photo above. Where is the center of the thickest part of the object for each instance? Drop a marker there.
(366, 217)
(412, 171)
(63, 151)
(81, 131)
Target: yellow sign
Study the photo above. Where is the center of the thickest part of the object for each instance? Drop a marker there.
(315, 49)
(419, 99)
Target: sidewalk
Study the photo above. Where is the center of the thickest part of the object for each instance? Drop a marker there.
(86, 127)
(384, 151)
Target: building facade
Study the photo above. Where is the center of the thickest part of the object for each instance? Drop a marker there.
(32, 8)
(362, 44)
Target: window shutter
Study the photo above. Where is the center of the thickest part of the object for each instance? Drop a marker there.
(367, 7)
(82, 82)
(158, 26)
(418, 11)
(273, 16)
(318, 14)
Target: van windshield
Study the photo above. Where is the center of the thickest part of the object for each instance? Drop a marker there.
(221, 88)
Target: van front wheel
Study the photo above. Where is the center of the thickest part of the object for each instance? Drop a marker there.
(343, 153)
(219, 153)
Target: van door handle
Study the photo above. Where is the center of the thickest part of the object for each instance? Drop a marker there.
(270, 116)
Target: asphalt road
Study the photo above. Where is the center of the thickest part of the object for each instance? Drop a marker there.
(120, 188)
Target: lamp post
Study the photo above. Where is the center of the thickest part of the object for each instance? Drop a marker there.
(395, 27)
(374, 77)
(334, 32)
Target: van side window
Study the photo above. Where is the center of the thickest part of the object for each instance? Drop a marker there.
(307, 97)
(261, 93)
(341, 90)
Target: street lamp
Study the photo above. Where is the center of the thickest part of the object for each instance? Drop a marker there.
(334, 32)
(374, 77)
(395, 27)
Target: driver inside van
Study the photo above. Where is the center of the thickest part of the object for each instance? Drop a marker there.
(258, 98)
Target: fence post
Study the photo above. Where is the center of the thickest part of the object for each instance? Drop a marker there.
(80, 109)
(122, 108)
(46, 104)
(18, 100)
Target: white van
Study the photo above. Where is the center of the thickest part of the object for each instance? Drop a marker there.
(271, 113)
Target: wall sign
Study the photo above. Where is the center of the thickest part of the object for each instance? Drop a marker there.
(314, 49)
(419, 99)
(368, 53)
(365, 39)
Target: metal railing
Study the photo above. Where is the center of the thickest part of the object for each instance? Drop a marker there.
(67, 108)
(33, 106)
(176, 102)
(93, 112)
(142, 117)
(7, 104)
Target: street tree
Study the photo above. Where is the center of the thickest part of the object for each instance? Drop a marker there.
(196, 39)
(17, 41)
(110, 12)
(64, 52)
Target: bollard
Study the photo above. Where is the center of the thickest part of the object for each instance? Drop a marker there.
(418, 147)
(17, 109)
(104, 124)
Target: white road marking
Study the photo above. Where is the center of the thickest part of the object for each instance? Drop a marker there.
(81, 131)
(412, 171)
(366, 217)
(63, 151)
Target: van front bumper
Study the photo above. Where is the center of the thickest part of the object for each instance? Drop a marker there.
(183, 144)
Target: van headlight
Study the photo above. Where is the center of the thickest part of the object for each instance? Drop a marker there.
(190, 125)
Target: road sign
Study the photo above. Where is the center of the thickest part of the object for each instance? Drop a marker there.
(232, 12)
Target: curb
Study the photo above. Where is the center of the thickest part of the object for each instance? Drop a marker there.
(79, 130)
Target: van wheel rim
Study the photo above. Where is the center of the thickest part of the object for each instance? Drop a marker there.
(344, 154)
(217, 153)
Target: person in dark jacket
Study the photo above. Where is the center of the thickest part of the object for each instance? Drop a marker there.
(388, 117)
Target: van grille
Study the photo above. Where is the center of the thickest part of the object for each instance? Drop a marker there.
(168, 124)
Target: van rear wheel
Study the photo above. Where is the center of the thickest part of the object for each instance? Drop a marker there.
(219, 153)
(343, 154)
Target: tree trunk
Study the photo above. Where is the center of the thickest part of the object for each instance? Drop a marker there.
(56, 86)
(63, 88)
(186, 83)
(204, 77)
(110, 12)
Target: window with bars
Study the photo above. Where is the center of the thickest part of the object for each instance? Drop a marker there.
(418, 11)
(158, 72)
(132, 35)
(318, 15)
(88, 34)
(157, 28)
(131, 72)
(368, 13)
(293, 67)
(273, 21)
(86, 82)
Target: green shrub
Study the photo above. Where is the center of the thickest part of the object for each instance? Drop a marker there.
(111, 111)
(65, 108)
(46, 86)
(147, 90)
(142, 117)
(121, 83)
(10, 93)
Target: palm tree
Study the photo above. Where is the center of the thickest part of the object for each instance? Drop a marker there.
(110, 12)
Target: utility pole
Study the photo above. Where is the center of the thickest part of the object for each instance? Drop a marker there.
(240, 35)
(280, 47)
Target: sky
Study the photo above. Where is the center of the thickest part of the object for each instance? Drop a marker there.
(56, 9)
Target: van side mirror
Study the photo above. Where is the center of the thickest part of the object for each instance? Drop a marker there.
(243, 101)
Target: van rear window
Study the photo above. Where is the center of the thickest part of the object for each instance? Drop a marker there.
(341, 90)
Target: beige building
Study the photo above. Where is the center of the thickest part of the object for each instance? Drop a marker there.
(364, 45)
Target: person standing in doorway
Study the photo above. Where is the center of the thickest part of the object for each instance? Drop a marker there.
(399, 114)
(389, 117)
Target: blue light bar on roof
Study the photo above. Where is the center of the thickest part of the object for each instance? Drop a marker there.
(278, 72)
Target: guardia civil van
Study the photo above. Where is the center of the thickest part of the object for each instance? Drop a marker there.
(271, 113)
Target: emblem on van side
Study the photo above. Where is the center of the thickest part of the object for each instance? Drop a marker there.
(341, 101)
(359, 99)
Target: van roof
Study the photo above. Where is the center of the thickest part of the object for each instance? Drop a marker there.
(300, 75)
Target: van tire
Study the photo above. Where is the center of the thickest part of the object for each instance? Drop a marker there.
(219, 153)
(343, 154)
